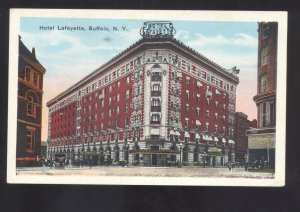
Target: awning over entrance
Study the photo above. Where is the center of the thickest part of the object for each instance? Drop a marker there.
(223, 140)
(177, 133)
(216, 139)
(197, 135)
(231, 141)
(172, 132)
(186, 134)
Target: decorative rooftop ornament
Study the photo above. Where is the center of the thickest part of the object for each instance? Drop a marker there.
(157, 29)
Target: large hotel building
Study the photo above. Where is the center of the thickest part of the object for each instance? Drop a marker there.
(157, 101)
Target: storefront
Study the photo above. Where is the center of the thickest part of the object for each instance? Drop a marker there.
(215, 157)
(153, 156)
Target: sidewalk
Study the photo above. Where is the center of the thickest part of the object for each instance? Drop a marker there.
(145, 171)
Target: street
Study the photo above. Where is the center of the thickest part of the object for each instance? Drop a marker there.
(146, 171)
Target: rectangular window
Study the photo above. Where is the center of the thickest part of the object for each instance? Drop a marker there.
(187, 95)
(35, 78)
(208, 77)
(187, 107)
(186, 123)
(263, 83)
(155, 118)
(206, 127)
(203, 75)
(213, 79)
(198, 98)
(207, 113)
(172, 105)
(30, 141)
(27, 73)
(199, 73)
(272, 114)
(265, 114)
(264, 56)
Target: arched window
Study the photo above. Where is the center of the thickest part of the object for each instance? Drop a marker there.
(32, 101)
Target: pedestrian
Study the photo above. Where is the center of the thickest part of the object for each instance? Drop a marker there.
(67, 163)
(229, 166)
(246, 166)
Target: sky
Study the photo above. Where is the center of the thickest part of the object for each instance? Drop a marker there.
(68, 56)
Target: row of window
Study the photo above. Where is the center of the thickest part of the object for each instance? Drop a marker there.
(201, 74)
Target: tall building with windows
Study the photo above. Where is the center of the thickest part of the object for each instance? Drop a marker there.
(242, 124)
(155, 102)
(30, 92)
(262, 140)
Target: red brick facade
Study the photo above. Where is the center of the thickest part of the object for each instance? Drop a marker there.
(29, 118)
(266, 75)
(242, 124)
(153, 94)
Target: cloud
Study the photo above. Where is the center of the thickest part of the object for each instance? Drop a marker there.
(182, 35)
(108, 39)
(239, 39)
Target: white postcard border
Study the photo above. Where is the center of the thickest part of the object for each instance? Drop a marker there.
(240, 16)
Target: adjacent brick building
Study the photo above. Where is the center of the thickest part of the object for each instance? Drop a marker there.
(242, 124)
(262, 140)
(30, 93)
(157, 101)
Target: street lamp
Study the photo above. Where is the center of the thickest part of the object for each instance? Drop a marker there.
(204, 159)
(127, 153)
(246, 162)
(180, 161)
(108, 157)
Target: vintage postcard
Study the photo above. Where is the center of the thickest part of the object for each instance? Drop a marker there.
(132, 97)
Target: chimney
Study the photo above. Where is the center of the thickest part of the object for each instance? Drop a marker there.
(33, 53)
